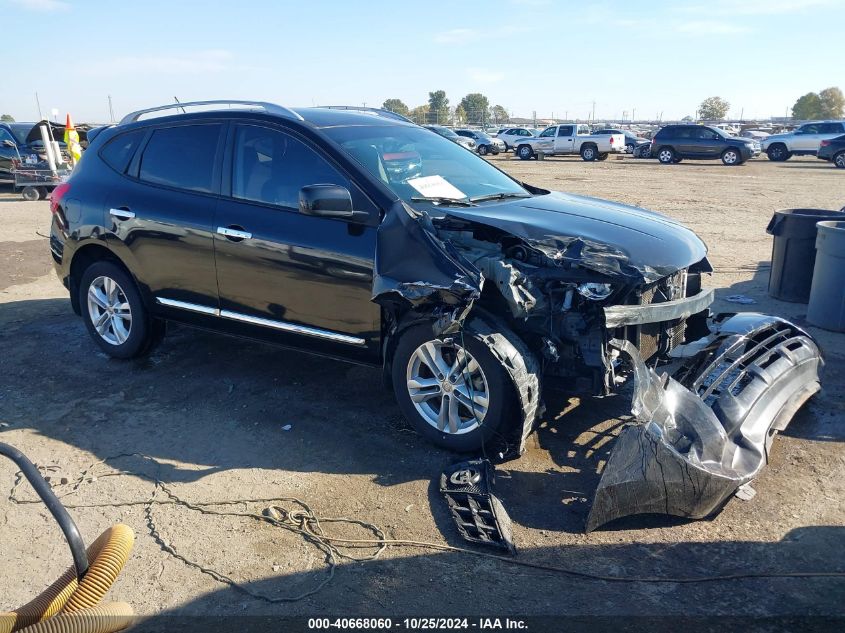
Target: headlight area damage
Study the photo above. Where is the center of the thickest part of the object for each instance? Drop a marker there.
(584, 311)
(705, 429)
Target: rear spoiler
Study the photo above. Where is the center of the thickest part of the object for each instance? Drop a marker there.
(93, 133)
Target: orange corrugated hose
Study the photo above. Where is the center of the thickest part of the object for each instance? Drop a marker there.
(70, 606)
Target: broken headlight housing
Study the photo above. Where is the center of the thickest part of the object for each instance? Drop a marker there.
(594, 291)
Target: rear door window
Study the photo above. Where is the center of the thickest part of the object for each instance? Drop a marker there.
(119, 151)
(182, 157)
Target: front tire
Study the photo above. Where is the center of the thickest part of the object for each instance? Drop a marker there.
(778, 153)
(113, 311)
(525, 152)
(482, 150)
(731, 157)
(666, 155)
(839, 160)
(454, 396)
(30, 194)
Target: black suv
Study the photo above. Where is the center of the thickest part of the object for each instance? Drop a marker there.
(673, 143)
(833, 150)
(358, 235)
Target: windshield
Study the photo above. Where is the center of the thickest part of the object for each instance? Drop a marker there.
(21, 131)
(444, 131)
(414, 163)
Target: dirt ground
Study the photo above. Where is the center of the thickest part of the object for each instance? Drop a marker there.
(223, 419)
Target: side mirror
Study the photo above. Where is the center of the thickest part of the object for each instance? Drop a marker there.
(328, 201)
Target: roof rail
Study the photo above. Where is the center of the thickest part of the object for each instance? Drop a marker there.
(271, 108)
(378, 111)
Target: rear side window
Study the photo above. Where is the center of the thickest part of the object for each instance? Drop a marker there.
(564, 130)
(181, 157)
(119, 151)
(831, 128)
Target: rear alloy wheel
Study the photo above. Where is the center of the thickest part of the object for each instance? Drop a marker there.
(589, 153)
(731, 157)
(525, 152)
(454, 391)
(113, 310)
(666, 156)
(839, 160)
(778, 152)
(482, 149)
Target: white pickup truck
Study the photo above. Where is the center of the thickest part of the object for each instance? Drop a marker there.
(569, 138)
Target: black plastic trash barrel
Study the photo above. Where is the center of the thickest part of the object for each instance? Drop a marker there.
(794, 251)
(827, 296)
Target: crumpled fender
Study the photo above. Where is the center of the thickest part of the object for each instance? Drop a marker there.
(414, 268)
(705, 428)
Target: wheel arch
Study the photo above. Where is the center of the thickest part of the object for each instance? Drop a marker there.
(88, 254)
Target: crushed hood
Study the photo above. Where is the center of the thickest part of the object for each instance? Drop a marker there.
(609, 238)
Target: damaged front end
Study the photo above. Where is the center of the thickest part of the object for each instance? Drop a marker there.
(706, 422)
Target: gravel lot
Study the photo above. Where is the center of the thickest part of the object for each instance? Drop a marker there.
(211, 413)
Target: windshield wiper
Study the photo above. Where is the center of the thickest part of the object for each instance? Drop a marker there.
(455, 202)
(499, 196)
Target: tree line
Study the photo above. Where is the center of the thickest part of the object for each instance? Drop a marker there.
(473, 109)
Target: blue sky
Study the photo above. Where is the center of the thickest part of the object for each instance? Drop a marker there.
(544, 55)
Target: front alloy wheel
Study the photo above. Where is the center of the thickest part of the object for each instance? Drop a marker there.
(525, 152)
(453, 390)
(482, 149)
(731, 157)
(447, 387)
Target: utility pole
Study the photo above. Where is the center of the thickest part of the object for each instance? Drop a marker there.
(38, 103)
(534, 114)
(594, 110)
(633, 115)
(111, 110)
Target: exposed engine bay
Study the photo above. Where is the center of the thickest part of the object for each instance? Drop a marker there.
(709, 394)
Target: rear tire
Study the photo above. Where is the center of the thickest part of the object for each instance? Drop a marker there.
(778, 153)
(839, 160)
(629, 148)
(666, 155)
(113, 311)
(589, 153)
(421, 394)
(525, 152)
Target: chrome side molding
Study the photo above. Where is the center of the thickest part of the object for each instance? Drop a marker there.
(284, 326)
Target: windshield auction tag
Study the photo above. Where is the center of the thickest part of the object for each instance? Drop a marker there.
(436, 187)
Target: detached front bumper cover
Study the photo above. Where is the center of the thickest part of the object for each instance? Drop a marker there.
(706, 426)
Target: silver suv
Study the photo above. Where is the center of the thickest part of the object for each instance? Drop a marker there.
(801, 142)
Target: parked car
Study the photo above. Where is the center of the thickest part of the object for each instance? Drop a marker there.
(484, 143)
(366, 238)
(757, 135)
(673, 143)
(22, 141)
(833, 150)
(632, 141)
(803, 141)
(512, 135)
(449, 133)
(568, 138)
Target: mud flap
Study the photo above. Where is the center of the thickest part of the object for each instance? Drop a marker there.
(705, 427)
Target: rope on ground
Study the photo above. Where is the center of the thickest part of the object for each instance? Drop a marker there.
(302, 520)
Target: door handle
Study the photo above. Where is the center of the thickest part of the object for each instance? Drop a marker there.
(121, 214)
(234, 234)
